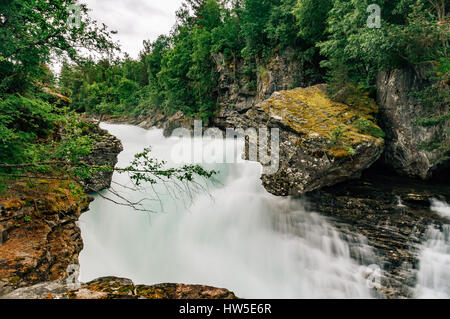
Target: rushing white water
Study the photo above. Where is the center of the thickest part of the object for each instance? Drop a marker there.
(399, 202)
(441, 208)
(244, 239)
(434, 268)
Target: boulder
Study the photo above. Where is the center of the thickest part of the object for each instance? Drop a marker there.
(322, 142)
(43, 238)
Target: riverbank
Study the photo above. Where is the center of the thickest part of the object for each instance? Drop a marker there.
(40, 237)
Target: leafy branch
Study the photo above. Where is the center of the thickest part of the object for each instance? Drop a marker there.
(144, 172)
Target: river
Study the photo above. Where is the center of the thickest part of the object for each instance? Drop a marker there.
(235, 236)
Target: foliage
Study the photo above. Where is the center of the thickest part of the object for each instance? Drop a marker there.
(145, 169)
(179, 72)
(32, 30)
(31, 122)
(311, 19)
(436, 99)
(366, 126)
(337, 136)
(23, 121)
(40, 139)
(409, 33)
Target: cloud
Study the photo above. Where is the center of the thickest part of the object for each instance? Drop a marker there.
(135, 20)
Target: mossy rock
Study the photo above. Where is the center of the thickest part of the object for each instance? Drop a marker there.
(311, 113)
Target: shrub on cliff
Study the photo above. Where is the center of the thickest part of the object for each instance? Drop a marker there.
(23, 122)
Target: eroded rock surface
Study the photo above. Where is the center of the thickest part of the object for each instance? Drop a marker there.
(103, 153)
(41, 238)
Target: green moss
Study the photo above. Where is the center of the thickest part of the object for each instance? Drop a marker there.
(15, 279)
(310, 112)
(125, 290)
(264, 74)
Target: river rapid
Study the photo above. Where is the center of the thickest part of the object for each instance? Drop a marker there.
(234, 235)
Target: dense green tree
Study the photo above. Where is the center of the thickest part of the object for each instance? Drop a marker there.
(409, 33)
(311, 17)
(281, 27)
(255, 15)
(32, 30)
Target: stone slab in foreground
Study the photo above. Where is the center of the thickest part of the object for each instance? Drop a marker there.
(118, 288)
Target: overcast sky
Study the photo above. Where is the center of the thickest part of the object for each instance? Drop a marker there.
(135, 20)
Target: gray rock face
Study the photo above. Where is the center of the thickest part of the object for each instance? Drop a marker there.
(307, 168)
(104, 152)
(398, 112)
(283, 71)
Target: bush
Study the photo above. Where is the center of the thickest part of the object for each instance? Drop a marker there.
(24, 121)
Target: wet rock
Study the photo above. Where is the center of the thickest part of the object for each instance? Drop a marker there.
(370, 207)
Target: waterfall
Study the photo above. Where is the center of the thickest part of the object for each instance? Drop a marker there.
(441, 208)
(434, 261)
(236, 236)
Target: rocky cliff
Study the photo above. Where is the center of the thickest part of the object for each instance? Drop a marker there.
(104, 152)
(283, 71)
(40, 237)
(399, 111)
(393, 213)
(322, 142)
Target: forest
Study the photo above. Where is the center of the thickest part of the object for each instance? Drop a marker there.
(333, 40)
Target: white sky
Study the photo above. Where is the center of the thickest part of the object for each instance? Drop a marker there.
(135, 20)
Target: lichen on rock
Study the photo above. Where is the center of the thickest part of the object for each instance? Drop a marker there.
(311, 113)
